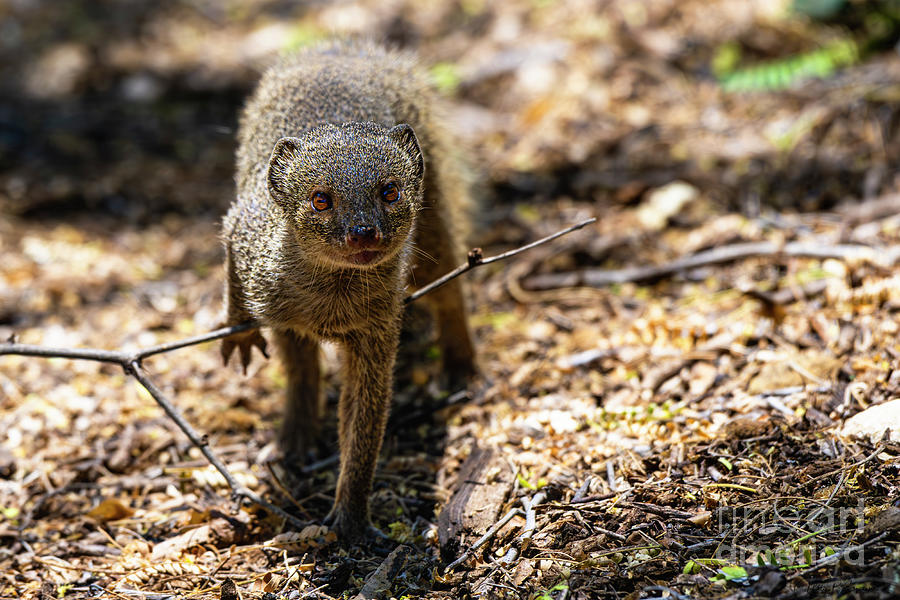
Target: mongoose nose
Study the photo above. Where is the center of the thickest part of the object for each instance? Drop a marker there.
(363, 236)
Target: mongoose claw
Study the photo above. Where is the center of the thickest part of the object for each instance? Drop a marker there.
(244, 342)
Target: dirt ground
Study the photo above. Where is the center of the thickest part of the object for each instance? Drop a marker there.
(694, 397)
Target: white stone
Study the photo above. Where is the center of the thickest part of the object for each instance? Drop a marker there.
(665, 202)
(873, 422)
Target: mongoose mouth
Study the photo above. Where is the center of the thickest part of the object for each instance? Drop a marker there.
(365, 257)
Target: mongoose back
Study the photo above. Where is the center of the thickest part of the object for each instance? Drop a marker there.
(344, 175)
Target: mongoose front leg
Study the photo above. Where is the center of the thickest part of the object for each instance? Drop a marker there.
(362, 415)
(300, 356)
(235, 314)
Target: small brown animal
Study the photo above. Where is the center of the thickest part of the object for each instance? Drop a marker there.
(344, 176)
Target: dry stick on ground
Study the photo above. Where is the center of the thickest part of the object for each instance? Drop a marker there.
(855, 212)
(884, 257)
(131, 362)
(476, 260)
(483, 539)
(524, 537)
(528, 504)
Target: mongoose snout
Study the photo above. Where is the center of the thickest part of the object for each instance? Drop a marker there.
(363, 236)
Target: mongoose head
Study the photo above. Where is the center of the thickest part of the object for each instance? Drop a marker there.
(351, 192)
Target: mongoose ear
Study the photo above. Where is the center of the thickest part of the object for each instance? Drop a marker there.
(405, 137)
(281, 164)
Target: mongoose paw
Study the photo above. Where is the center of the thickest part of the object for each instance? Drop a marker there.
(294, 449)
(351, 528)
(244, 342)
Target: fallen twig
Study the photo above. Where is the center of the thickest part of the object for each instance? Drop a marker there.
(595, 498)
(856, 212)
(476, 260)
(885, 257)
(833, 558)
(120, 357)
(878, 450)
(131, 363)
(483, 539)
(662, 511)
(524, 538)
(579, 495)
(790, 294)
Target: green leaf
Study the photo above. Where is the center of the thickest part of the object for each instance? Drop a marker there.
(733, 573)
(546, 594)
(400, 531)
(446, 77)
(301, 36)
(726, 58)
(524, 482)
(785, 72)
(691, 568)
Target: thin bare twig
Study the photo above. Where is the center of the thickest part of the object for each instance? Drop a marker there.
(530, 516)
(582, 491)
(120, 357)
(237, 488)
(856, 212)
(198, 339)
(476, 260)
(131, 363)
(483, 539)
(528, 504)
(833, 558)
(596, 498)
(885, 257)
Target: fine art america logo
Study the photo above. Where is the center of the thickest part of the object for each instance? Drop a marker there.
(797, 534)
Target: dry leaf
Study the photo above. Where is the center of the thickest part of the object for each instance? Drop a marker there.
(110, 510)
(173, 547)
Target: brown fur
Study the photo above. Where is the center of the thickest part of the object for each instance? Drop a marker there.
(332, 119)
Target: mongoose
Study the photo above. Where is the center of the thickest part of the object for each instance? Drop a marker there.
(344, 177)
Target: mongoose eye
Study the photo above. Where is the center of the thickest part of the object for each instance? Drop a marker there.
(390, 192)
(320, 201)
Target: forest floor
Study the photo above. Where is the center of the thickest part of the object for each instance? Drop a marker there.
(724, 427)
